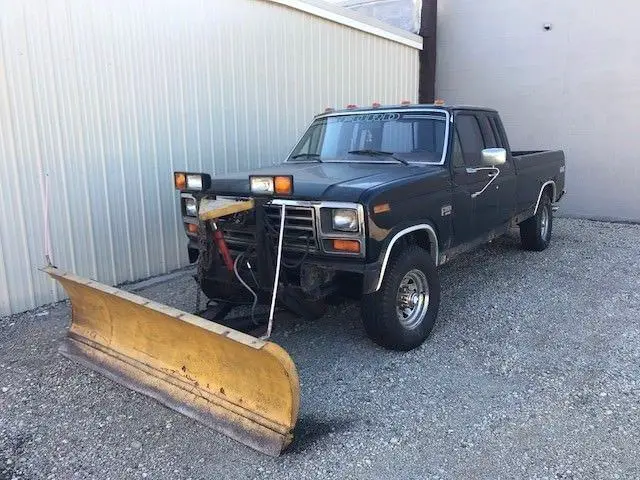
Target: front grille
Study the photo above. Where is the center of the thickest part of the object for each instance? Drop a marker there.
(299, 226)
(299, 229)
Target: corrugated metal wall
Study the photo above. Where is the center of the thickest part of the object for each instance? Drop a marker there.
(108, 97)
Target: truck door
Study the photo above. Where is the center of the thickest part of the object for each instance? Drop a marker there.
(476, 207)
(507, 180)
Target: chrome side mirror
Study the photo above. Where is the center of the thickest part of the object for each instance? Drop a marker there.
(494, 156)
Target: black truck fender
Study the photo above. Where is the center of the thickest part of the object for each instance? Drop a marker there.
(374, 273)
(554, 197)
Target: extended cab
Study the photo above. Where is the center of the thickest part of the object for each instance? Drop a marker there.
(374, 200)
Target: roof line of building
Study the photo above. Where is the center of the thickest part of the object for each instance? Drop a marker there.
(356, 20)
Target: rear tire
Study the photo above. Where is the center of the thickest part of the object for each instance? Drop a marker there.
(535, 232)
(401, 314)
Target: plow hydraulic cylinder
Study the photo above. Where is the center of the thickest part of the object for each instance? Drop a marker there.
(221, 244)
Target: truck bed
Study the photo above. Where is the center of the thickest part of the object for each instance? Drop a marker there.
(534, 168)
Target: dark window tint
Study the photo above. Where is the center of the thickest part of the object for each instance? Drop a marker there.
(457, 157)
(470, 139)
(499, 132)
(496, 132)
(488, 133)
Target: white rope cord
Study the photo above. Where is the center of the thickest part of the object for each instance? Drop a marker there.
(277, 276)
(43, 180)
(47, 231)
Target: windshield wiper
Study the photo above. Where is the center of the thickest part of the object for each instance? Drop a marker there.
(379, 153)
(314, 156)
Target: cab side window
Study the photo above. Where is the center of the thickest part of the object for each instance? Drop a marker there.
(488, 133)
(493, 125)
(471, 141)
(457, 158)
(499, 131)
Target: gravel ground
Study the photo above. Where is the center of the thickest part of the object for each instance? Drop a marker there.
(532, 371)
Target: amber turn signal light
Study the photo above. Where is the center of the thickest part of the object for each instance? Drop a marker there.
(352, 246)
(180, 180)
(381, 208)
(283, 185)
(192, 228)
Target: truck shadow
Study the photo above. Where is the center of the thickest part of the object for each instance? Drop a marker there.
(342, 323)
(310, 429)
(342, 370)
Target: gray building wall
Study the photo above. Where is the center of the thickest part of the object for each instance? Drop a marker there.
(103, 100)
(575, 87)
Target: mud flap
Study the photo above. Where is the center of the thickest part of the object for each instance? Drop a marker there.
(234, 383)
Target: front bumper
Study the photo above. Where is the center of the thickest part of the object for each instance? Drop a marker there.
(370, 271)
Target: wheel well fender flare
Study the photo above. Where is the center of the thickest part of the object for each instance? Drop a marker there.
(433, 240)
(542, 188)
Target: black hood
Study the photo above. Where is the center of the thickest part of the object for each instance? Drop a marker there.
(336, 181)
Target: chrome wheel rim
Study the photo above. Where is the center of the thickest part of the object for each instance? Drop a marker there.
(544, 223)
(412, 300)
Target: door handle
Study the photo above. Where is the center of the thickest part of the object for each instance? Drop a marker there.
(491, 171)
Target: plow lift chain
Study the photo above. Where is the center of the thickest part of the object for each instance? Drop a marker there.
(204, 260)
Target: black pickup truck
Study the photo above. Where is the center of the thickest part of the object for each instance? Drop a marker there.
(374, 200)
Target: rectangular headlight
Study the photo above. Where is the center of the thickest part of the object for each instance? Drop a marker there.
(261, 185)
(190, 207)
(194, 182)
(345, 220)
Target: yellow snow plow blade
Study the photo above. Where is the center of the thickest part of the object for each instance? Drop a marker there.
(237, 384)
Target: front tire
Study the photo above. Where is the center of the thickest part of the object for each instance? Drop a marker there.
(401, 314)
(535, 232)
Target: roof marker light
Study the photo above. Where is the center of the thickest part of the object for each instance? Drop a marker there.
(438, 102)
(405, 102)
(329, 110)
(351, 106)
(375, 104)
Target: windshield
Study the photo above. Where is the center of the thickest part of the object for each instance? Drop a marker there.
(374, 137)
